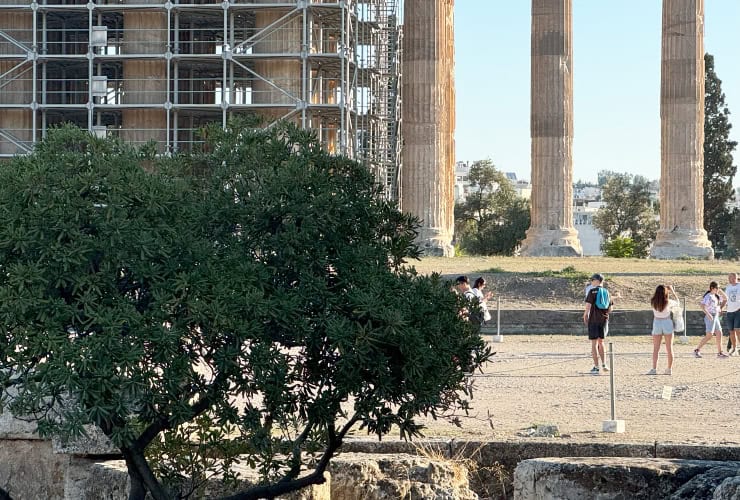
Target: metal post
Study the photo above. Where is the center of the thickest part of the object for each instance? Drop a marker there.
(612, 396)
(498, 316)
(685, 324)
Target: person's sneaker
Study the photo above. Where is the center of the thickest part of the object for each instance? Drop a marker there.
(594, 370)
(732, 352)
(604, 368)
(722, 355)
(697, 353)
(652, 372)
(668, 371)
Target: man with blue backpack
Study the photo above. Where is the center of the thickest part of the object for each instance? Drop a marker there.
(596, 317)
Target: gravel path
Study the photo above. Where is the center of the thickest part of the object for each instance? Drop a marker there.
(545, 380)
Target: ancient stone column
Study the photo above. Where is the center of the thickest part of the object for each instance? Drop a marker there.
(16, 84)
(551, 231)
(145, 79)
(428, 154)
(682, 231)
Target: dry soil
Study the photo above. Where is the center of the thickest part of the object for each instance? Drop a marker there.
(544, 379)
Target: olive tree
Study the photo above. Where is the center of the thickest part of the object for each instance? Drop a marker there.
(251, 302)
(493, 219)
(628, 215)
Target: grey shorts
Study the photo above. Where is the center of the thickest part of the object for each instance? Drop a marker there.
(733, 320)
(662, 326)
(712, 325)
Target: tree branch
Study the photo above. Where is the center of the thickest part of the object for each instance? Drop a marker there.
(316, 477)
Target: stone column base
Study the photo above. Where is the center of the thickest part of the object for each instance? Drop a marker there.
(682, 244)
(434, 243)
(551, 243)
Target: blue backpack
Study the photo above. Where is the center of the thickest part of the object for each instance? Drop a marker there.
(603, 301)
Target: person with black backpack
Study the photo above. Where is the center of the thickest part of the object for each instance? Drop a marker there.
(596, 318)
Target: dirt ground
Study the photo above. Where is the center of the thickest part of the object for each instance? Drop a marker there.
(543, 379)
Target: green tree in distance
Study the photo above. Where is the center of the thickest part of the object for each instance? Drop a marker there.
(627, 213)
(492, 220)
(719, 169)
(222, 303)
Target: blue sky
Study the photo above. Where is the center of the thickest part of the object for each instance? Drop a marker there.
(616, 75)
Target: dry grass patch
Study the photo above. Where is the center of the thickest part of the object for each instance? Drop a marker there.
(480, 265)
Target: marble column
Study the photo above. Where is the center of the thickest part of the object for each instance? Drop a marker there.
(428, 154)
(145, 78)
(16, 87)
(281, 83)
(551, 231)
(682, 231)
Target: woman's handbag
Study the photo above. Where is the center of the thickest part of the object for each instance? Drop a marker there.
(677, 317)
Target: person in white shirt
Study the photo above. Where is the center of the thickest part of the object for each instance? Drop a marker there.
(662, 305)
(733, 313)
(483, 297)
(711, 304)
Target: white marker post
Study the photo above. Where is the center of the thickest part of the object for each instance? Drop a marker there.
(684, 339)
(498, 337)
(612, 425)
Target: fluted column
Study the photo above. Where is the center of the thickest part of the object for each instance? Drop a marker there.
(428, 155)
(145, 78)
(281, 86)
(16, 80)
(682, 231)
(551, 231)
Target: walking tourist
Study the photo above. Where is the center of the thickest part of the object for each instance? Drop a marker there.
(712, 302)
(662, 305)
(483, 297)
(732, 314)
(596, 318)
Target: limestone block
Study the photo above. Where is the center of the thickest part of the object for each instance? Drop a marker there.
(728, 490)
(704, 485)
(720, 453)
(356, 475)
(509, 453)
(13, 428)
(108, 480)
(634, 478)
(95, 443)
(29, 470)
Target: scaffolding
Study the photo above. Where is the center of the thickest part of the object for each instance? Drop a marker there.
(160, 70)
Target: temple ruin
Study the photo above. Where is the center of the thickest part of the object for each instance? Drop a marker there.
(160, 70)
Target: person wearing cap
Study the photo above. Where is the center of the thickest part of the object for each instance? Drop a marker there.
(462, 285)
(597, 321)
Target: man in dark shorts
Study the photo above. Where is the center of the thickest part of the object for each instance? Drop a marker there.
(597, 321)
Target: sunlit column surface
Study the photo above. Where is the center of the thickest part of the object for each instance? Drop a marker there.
(682, 231)
(428, 173)
(551, 232)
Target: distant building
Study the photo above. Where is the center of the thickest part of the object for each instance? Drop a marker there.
(462, 184)
(583, 220)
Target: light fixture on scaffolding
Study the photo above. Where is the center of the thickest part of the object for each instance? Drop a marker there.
(99, 36)
(99, 131)
(99, 86)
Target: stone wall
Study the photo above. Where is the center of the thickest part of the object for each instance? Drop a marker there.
(31, 468)
(634, 478)
(570, 321)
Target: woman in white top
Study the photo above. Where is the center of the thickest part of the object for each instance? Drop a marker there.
(663, 325)
(477, 290)
(711, 304)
